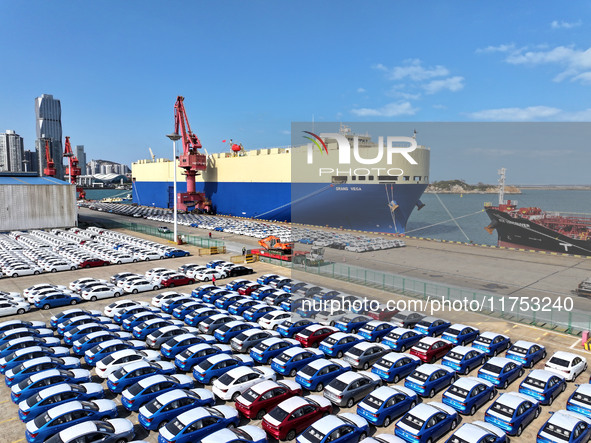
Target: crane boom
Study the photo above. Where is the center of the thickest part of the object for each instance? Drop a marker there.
(73, 169)
(49, 169)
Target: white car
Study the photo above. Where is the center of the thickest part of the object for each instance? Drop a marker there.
(192, 271)
(246, 432)
(118, 359)
(112, 309)
(209, 274)
(151, 273)
(158, 278)
(150, 255)
(11, 295)
(567, 364)
(101, 292)
(20, 270)
(13, 299)
(157, 300)
(122, 282)
(89, 430)
(273, 319)
(77, 284)
(136, 286)
(60, 266)
(122, 258)
(11, 308)
(42, 286)
(236, 381)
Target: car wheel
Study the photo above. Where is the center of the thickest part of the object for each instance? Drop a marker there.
(16, 275)
(46, 307)
(396, 379)
(550, 400)
(473, 410)
(117, 294)
(191, 282)
(162, 424)
(492, 395)
(122, 441)
(134, 260)
(206, 279)
(291, 435)
(432, 393)
(292, 373)
(454, 424)
(86, 266)
(505, 384)
(73, 302)
(521, 372)
(563, 387)
(543, 355)
(482, 361)
(319, 387)
(429, 440)
(20, 311)
(413, 404)
(519, 430)
(537, 414)
(353, 331)
(366, 366)
(170, 286)
(134, 291)
(402, 348)
(235, 395)
(93, 298)
(362, 436)
(466, 370)
(53, 270)
(261, 414)
(387, 422)
(339, 354)
(212, 380)
(350, 403)
(73, 268)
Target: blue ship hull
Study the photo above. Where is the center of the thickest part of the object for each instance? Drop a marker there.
(364, 207)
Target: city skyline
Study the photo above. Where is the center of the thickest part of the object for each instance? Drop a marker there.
(384, 61)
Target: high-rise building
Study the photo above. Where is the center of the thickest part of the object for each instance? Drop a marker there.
(48, 113)
(31, 162)
(81, 156)
(11, 152)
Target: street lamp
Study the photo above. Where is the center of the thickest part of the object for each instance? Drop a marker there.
(174, 137)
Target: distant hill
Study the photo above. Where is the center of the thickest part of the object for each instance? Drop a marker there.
(461, 187)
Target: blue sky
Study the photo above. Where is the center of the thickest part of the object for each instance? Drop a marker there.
(248, 69)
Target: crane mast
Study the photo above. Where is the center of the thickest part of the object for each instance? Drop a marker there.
(73, 169)
(49, 169)
(191, 160)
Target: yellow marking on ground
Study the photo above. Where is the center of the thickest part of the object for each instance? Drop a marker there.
(17, 441)
(10, 419)
(506, 330)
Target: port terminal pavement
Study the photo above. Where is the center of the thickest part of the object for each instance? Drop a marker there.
(13, 429)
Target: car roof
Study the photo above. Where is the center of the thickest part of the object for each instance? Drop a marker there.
(395, 356)
(500, 361)
(514, 399)
(568, 418)
(328, 423)
(460, 326)
(463, 350)
(469, 382)
(542, 375)
(525, 344)
(429, 368)
(264, 386)
(432, 340)
(565, 355)
(293, 403)
(385, 392)
(349, 376)
(491, 335)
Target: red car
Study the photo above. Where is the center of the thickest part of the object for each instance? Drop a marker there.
(176, 280)
(314, 334)
(430, 349)
(93, 263)
(294, 415)
(249, 289)
(264, 396)
(382, 313)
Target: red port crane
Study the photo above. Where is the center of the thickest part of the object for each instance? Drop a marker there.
(191, 160)
(73, 170)
(49, 169)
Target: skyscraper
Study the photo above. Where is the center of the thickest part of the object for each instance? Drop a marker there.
(81, 156)
(48, 113)
(31, 162)
(11, 152)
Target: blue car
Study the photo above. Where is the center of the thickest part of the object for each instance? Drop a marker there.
(56, 395)
(262, 292)
(177, 253)
(227, 300)
(124, 314)
(386, 403)
(11, 346)
(36, 382)
(401, 339)
(197, 423)
(580, 400)
(198, 315)
(478, 432)
(512, 412)
(501, 372)
(176, 345)
(187, 308)
(342, 428)
(265, 279)
(30, 367)
(200, 291)
(426, 422)
(338, 343)
(277, 298)
(254, 313)
(395, 366)
(289, 328)
(376, 330)
(492, 343)
(57, 299)
(432, 326)
(83, 330)
(69, 313)
(148, 388)
(80, 346)
(75, 322)
(316, 375)
(243, 434)
(22, 355)
(215, 366)
(164, 408)
(352, 323)
(68, 414)
(137, 319)
(294, 359)
(542, 385)
(467, 394)
(463, 359)
(13, 334)
(100, 351)
(240, 307)
(460, 334)
(526, 353)
(271, 348)
(141, 331)
(429, 379)
(234, 285)
(228, 331)
(215, 295)
(131, 373)
(565, 426)
(197, 353)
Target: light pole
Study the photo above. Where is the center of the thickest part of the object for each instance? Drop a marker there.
(174, 137)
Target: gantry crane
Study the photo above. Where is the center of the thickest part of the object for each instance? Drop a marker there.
(191, 160)
(73, 170)
(49, 169)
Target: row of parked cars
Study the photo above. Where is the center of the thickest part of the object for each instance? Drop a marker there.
(258, 229)
(37, 251)
(245, 346)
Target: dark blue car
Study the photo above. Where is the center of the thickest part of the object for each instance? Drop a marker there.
(199, 315)
(342, 428)
(215, 366)
(151, 387)
(338, 343)
(213, 296)
(142, 330)
(129, 312)
(526, 353)
(376, 330)
(492, 343)
(395, 366)
(170, 305)
(57, 299)
(565, 426)
(256, 312)
(426, 422)
(197, 423)
(352, 323)
(386, 403)
(240, 307)
(11, 346)
(501, 372)
(271, 348)
(294, 359)
(432, 326)
(176, 345)
(180, 312)
(542, 385)
(463, 359)
(319, 373)
(137, 319)
(21, 355)
(429, 379)
(227, 300)
(467, 394)
(101, 350)
(200, 291)
(131, 373)
(580, 400)
(234, 285)
(195, 354)
(69, 313)
(512, 412)
(460, 334)
(401, 339)
(30, 367)
(83, 330)
(177, 253)
(228, 331)
(36, 382)
(289, 328)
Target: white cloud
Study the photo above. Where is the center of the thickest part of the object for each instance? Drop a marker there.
(414, 70)
(439, 107)
(361, 90)
(388, 110)
(565, 25)
(532, 113)
(520, 152)
(500, 48)
(452, 84)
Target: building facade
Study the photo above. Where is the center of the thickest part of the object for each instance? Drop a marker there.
(11, 152)
(81, 156)
(31, 162)
(48, 114)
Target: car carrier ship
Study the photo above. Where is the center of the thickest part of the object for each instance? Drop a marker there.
(533, 228)
(283, 184)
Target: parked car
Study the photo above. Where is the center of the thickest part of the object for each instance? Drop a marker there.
(127, 375)
(406, 319)
(460, 334)
(197, 423)
(312, 335)
(195, 354)
(226, 332)
(350, 387)
(580, 400)
(289, 362)
(432, 326)
(56, 299)
(270, 348)
(429, 379)
(107, 431)
(118, 359)
(289, 328)
(213, 367)
(36, 382)
(151, 387)
(365, 354)
(501, 371)
(478, 432)
(337, 344)
(376, 330)
(383, 405)
(394, 366)
(566, 364)
(526, 353)
(317, 374)
(264, 396)
(248, 339)
(492, 343)
(543, 385)
(342, 428)
(467, 394)
(401, 339)
(352, 323)
(463, 359)
(431, 349)
(565, 426)
(512, 412)
(242, 434)
(30, 367)
(427, 422)
(234, 382)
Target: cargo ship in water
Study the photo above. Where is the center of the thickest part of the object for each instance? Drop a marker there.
(376, 190)
(533, 228)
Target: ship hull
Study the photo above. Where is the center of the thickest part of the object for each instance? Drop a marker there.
(364, 207)
(519, 232)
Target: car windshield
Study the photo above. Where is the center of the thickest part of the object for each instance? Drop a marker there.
(556, 431)
(283, 357)
(582, 398)
(492, 368)
(226, 379)
(338, 385)
(278, 414)
(175, 426)
(535, 382)
(456, 390)
(108, 360)
(135, 389)
(241, 337)
(250, 395)
(309, 371)
(502, 409)
(412, 421)
(373, 401)
(452, 331)
(313, 435)
(559, 362)
(518, 350)
(355, 351)
(306, 333)
(153, 406)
